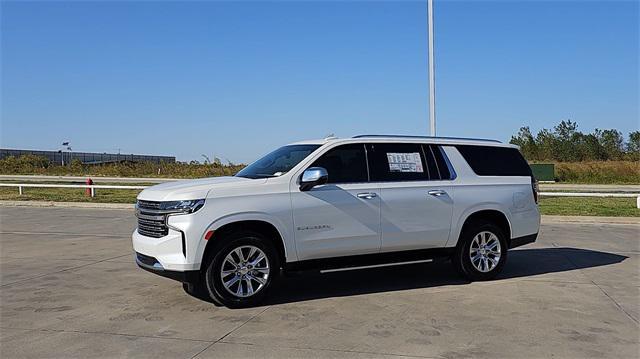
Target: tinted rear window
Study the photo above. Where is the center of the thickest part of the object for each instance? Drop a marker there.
(495, 161)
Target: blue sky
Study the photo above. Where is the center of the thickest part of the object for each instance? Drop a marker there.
(235, 79)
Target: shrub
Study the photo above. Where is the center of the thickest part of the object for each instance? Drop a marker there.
(30, 165)
(598, 172)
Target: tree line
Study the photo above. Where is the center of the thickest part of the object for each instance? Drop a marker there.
(564, 143)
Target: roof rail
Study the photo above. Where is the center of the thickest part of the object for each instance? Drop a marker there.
(427, 137)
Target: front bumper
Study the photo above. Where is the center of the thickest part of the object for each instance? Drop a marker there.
(168, 251)
(152, 265)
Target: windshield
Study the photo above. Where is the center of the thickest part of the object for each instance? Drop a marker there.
(277, 162)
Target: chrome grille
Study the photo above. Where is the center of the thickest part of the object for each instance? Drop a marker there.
(151, 219)
(149, 204)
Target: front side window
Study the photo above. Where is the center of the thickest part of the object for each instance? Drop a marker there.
(277, 162)
(397, 162)
(344, 164)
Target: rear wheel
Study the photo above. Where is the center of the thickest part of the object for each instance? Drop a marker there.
(482, 251)
(242, 270)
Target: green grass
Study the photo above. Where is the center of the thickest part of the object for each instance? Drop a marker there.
(68, 195)
(589, 206)
(566, 206)
(100, 183)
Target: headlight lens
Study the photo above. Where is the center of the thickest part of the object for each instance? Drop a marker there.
(185, 207)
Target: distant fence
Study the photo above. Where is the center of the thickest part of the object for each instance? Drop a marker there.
(56, 157)
(543, 171)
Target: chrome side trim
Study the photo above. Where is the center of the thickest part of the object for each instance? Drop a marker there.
(374, 266)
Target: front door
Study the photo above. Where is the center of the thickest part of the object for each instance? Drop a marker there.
(342, 217)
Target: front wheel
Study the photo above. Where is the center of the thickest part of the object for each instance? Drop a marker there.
(482, 252)
(242, 270)
(197, 289)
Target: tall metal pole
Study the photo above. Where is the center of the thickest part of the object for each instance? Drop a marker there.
(432, 80)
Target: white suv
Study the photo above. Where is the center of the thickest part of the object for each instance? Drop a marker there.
(339, 204)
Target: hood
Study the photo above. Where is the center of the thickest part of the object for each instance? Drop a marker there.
(191, 189)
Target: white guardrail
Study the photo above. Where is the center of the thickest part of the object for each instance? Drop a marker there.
(94, 187)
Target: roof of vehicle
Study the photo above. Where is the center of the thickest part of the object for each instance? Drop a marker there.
(410, 138)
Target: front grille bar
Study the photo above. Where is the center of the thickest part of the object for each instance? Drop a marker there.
(151, 219)
(147, 217)
(150, 223)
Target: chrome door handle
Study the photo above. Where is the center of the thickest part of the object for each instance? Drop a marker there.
(437, 192)
(367, 195)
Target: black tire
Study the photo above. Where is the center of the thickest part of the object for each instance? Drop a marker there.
(462, 258)
(213, 278)
(198, 289)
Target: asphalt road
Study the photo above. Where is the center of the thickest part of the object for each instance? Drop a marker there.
(70, 289)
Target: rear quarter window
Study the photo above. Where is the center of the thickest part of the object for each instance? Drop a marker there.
(437, 154)
(495, 161)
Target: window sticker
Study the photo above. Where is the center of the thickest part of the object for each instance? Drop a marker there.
(405, 162)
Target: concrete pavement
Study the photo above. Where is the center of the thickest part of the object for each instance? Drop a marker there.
(70, 289)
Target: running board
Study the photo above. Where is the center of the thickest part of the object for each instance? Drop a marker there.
(374, 266)
(373, 260)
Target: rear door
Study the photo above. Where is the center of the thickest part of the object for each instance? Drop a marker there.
(342, 217)
(415, 201)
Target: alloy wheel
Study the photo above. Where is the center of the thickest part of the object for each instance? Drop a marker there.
(485, 251)
(245, 271)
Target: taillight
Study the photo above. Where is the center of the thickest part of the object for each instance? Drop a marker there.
(535, 188)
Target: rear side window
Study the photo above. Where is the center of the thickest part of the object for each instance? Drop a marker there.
(344, 164)
(432, 166)
(435, 154)
(495, 161)
(396, 162)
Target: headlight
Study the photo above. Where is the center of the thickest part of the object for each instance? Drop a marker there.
(185, 207)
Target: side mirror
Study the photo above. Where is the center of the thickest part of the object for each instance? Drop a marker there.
(313, 176)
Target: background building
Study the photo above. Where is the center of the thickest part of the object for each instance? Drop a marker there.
(58, 157)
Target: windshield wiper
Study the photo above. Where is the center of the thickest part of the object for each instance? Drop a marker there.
(257, 176)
